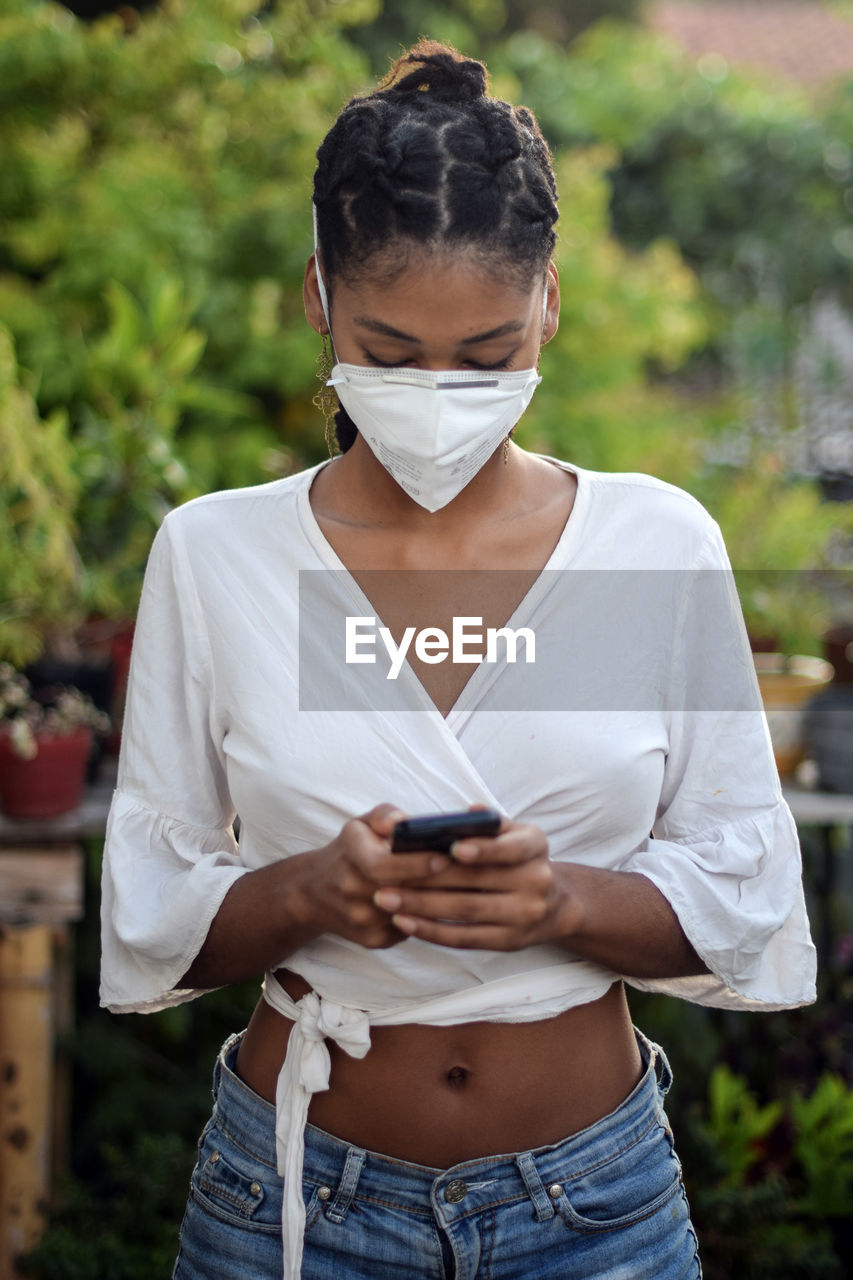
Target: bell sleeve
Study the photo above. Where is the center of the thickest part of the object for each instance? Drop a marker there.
(170, 855)
(724, 848)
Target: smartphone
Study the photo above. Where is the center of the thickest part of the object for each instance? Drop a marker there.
(439, 830)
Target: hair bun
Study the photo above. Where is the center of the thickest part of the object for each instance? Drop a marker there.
(438, 70)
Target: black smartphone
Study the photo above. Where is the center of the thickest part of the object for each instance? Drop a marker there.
(439, 830)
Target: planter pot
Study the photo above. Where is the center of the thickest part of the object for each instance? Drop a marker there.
(787, 684)
(49, 784)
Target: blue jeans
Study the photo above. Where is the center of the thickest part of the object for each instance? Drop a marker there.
(607, 1202)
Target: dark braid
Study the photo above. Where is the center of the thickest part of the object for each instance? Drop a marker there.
(429, 161)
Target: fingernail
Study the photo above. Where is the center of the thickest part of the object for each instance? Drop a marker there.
(464, 850)
(405, 924)
(387, 899)
(437, 864)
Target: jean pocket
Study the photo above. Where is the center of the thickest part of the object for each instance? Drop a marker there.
(632, 1185)
(234, 1186)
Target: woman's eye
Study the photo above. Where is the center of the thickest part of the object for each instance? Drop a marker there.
(500, 364)
(506, 363)
(384, 364)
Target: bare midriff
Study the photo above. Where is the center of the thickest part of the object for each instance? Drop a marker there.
(439, 1096)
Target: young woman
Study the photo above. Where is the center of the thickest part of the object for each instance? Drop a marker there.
(441, 1078)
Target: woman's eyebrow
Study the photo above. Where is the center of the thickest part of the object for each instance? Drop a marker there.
(388, 331)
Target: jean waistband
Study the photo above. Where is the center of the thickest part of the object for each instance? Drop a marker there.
(250, 1120)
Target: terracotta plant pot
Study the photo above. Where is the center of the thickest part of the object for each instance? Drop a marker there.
(787, 683)
(49, 784)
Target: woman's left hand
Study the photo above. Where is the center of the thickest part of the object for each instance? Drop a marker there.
(501, 893)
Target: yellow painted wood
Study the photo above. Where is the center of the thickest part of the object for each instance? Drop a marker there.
(26, 1087)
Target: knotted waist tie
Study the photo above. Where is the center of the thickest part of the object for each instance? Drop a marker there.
(305, 1071)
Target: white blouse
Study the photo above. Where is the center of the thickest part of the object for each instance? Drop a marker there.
(636, 741)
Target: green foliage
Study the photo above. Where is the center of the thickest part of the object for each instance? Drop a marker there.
(137, 382)
(824, 1148)
(776, 1189)
(747, 175)
(154, 224)
(620, 311)
(479, 27)
(141, 1181)
(738, 1124)
(38, 491)
(782, 538)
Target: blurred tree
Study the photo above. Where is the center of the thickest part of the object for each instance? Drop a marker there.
(38, 491)
(750, 178)
(477, 26)
(154, 224)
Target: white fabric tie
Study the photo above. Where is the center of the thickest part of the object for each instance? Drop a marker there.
(305, 1071)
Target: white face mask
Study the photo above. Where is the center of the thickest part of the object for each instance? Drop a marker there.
(432, 431)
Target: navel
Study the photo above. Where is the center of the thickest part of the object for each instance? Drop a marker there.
(457, 1076)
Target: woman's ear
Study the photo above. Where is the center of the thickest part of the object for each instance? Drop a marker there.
(552, 309)
(311, 297)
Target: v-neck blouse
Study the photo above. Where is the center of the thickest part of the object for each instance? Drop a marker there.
(236, 705)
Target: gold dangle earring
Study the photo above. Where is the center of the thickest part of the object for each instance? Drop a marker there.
(325, 398)
(506, 445)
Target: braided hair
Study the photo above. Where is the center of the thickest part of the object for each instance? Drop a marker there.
(429, 162)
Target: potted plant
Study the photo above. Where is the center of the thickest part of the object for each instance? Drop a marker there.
(46, 738)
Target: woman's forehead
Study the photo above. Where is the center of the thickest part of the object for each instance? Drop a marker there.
(438, 279)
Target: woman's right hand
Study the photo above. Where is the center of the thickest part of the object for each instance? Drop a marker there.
(346, 873)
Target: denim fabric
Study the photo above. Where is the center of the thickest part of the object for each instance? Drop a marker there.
(607, 1203)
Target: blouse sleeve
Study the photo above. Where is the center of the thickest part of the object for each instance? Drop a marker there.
(170, 854)
(724, 849)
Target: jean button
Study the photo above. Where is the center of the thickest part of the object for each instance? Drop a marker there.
(455, 1191)
(255, 1188)
(555, 1190)
(324, 1193)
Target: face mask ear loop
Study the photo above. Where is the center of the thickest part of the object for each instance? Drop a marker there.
(325, 399)
(320, 283)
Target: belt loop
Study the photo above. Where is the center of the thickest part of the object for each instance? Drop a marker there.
(217, 1071)
(337, 1210)
(663, 1071)
(657, 1060)
(220, 1060)
(530, 1174)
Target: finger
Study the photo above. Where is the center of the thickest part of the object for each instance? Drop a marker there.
(520, 843)
(378, 864)
(474, 937)
(383, 817)
(477, 908)
(499, 878)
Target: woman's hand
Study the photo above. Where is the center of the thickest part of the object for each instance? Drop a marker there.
(345, 875)
(499, 893)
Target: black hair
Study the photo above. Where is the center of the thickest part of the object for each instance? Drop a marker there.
(427, 162)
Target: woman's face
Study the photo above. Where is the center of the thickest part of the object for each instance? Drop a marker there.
(439, 313)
